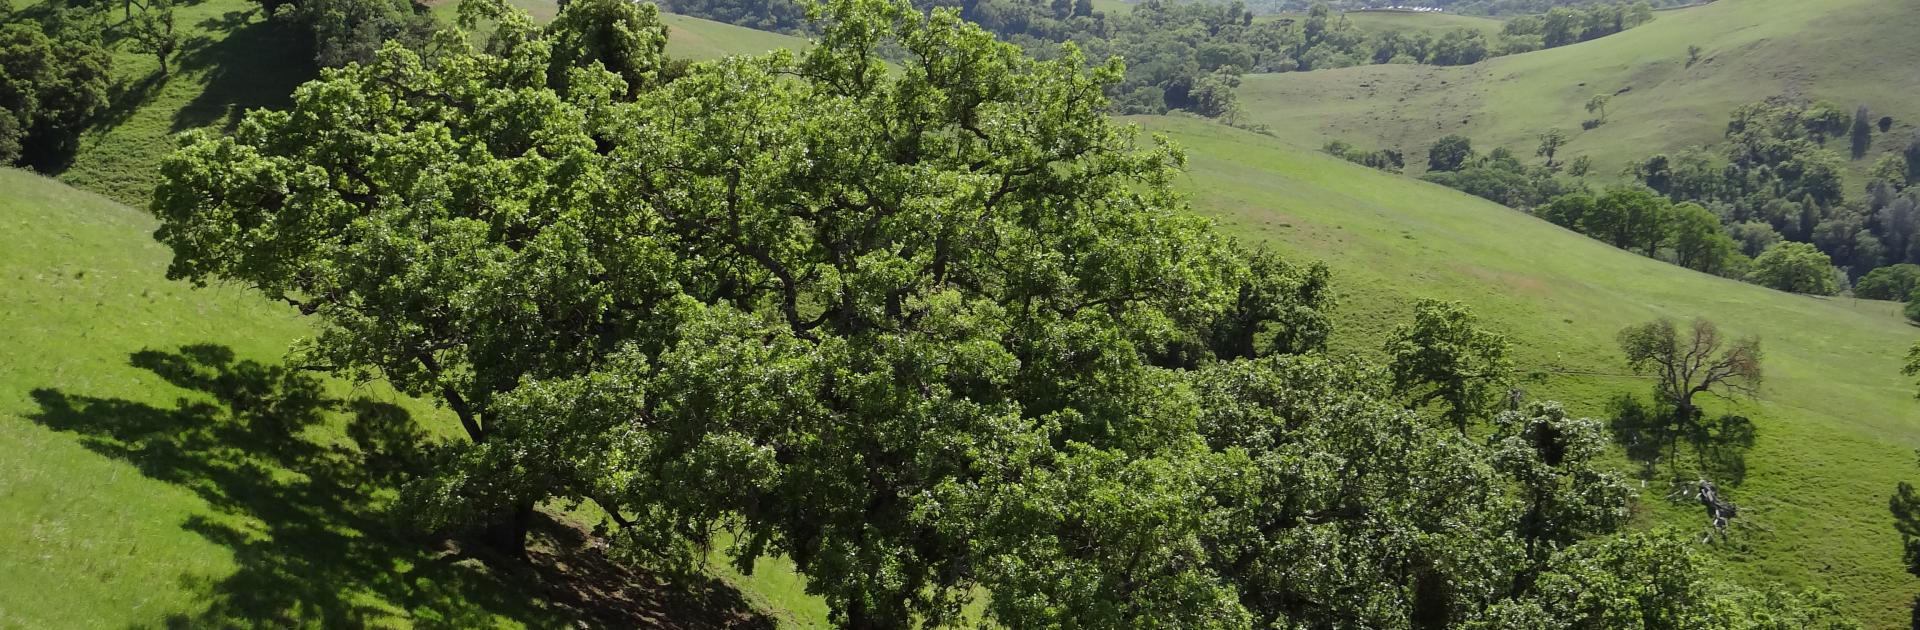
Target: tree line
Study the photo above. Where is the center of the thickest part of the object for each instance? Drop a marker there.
(936, 333)
(1775, 180)
(1469, 7)
(1769, 205)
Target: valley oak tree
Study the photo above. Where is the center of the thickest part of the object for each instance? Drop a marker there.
(930, 325)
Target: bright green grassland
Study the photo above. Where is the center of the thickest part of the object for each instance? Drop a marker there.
(127, 501)
(1849, 51)
(1838, 425)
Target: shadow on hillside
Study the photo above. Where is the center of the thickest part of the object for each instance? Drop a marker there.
(257, 63)
(306, 521)
(1715, 447)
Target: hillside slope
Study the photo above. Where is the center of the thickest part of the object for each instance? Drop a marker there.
(1837, 423)
(109, 491)
(163, 469)
(1849, 51)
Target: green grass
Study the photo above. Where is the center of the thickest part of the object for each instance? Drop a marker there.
(1848, 51)
(160, 472)
(230, 60)
(1838, 425)
(130, 501)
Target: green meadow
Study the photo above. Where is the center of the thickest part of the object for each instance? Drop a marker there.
(1851, 52)
(1837, 423)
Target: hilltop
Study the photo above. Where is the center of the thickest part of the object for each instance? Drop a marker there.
(1849, 51)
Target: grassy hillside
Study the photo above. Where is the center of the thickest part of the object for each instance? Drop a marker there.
(129, 500)
(165, 470)
(1837, 423)
(1849, 51)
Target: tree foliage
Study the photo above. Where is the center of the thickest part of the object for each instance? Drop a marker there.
(50, 87)
(152, 32)
(1443, 358)
(339, 32)
(1449, 153)
(935, 330)
(1701, 363)
(1794, 267)
(1894, 282)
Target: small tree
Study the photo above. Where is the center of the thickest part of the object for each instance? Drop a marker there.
(1550, 143)
(1597, 106)
(1449, 153)
(1580, 166)
(1443, 357)
(1699, 243)
(1693, 55)
(152, 32)
(1794, 267)
(1682, 369)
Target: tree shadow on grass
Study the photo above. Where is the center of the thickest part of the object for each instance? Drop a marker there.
(307, 521)
(257, 63)
(1652, 433)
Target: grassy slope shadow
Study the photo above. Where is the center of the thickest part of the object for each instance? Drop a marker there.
(308, 522)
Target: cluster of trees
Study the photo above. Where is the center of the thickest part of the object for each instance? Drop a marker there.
(934, 333)
(1471, 7)
(1774, 180)
(1564, 25)
(1390, 160)
(339, 32)
(1687, 234)
(1499, 175)
(52, 83)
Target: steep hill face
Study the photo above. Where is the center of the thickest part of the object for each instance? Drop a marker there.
(1851, 52)
(1837, 424)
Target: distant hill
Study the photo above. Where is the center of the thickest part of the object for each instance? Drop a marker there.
(1851, 52)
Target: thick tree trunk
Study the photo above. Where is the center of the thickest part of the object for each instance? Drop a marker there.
(507, 534)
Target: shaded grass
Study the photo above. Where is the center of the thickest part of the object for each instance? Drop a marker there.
(1849, 51)
(231, 60)
(162, 469)
(1837, 424)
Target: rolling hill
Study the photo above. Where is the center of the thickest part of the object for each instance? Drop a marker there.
(1849, 51)
(139, 528)
(1837, 424)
